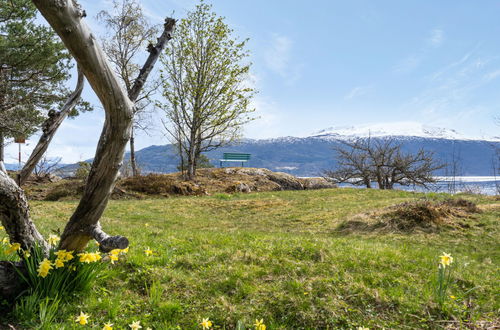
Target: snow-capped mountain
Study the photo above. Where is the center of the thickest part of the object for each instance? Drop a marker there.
(399, 129)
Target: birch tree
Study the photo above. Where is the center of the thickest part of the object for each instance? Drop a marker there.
(204, 80)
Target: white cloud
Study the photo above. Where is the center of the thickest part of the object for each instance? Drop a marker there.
(492, 75)
(408, 64)
(436, 37)
(278, 58)
(357, 91)
(450, 97)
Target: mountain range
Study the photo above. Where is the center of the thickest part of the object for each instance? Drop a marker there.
(311, 155)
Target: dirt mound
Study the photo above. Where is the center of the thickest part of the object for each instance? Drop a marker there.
(217, 180)
(207, 181)
(420, 215)
(160, 184)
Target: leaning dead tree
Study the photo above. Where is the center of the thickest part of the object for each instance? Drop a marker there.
(65, 17)
(49, 129)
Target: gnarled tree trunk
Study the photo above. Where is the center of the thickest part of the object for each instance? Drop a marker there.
(65, 17)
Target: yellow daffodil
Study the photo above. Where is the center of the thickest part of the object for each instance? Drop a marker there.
(13, 248)
(446, 259)
(5, 241)
(59, 263)
(259, 324)
(135, 325)
(82, 318)
(53, 240)
(125, 251)
(2, 228)
(113, 258)
(89, 257)
(44, 268)
(148, 251)
(115, 252)
(64, 255)
(206, 323)
(26, 253)
(453, 297)
(108, 326)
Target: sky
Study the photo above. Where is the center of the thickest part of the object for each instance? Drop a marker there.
(317, 64)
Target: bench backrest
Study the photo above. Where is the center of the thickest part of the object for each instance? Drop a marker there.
(236, 156)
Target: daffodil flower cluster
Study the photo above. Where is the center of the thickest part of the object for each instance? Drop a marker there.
(46, 265)
(113, 254)
(83, 319)
(88, 257)
(62, 257)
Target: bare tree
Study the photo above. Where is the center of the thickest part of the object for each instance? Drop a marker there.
(65, 17)
(363, 161)
(128, 34)
(204, 85)
(46, 167)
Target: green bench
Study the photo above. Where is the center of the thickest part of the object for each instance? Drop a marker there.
(234, 157)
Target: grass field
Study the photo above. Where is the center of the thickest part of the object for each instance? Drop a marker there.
(278, 256)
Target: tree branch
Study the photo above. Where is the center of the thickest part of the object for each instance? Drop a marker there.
(50, 128)
(154, 53)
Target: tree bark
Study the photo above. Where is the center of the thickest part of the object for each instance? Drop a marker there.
(154, 53)
(65, 18)
(50, 128)
(11, 284)
(133, 92)
(15, 215)
(132, 153)
(2, 141)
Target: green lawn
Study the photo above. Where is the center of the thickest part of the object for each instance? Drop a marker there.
(277, 256)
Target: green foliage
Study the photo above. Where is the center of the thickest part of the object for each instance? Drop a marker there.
(205, 80)
(34, 64)
(83, 170)
(443, 281)
(36, 312)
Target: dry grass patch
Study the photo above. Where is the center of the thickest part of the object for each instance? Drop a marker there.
(419, 215)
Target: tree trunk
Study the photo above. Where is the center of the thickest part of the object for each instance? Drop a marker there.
(133, 93)
(65, 18)
(2, 141)
(50, 128)
(132, 152)
(15, 215)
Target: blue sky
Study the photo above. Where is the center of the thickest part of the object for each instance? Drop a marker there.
(318, 64)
